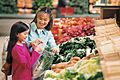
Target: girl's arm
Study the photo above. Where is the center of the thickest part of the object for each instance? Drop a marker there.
(24, 59)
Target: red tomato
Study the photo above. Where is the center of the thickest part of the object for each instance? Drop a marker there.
(56, 36)
(55, 30)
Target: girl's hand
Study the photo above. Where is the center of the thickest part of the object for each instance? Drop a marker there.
(55, 50)
(38, 49)
(35, 43)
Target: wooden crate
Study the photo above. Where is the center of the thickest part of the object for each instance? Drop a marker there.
(108, 44)
(111, 70)
(99, 22)
(110, 21)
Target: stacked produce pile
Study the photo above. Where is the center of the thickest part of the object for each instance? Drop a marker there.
(108, 44)
(80, 6)
(76, 60)
(66, 28)
(8, 7)
(80, 47)
(24, 6)
(81, 70)
(40, 3)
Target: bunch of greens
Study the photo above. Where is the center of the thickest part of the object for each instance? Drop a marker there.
(80, 6)
(8, 7)
(74, 47)
(41, 3)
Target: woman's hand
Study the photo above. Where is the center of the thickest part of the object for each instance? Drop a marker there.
(55, 50)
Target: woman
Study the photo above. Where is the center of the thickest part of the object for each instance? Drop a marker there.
(40, 31)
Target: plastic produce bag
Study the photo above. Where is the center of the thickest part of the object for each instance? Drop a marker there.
(44, 63)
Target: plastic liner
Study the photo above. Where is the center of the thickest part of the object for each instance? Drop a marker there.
(44, 63)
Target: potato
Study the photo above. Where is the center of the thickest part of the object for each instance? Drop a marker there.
(75, 58)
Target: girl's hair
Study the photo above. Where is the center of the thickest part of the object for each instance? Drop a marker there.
(48, 11)
(16, 28)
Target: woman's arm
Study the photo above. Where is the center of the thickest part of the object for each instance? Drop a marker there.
(51, 43)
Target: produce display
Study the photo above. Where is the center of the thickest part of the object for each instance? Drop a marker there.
(63, 65)
(77, 58)
(66, 28)
(39, 3)
(8, 7)
(24, 6)
(71, 52)
(80, 6)
(82, 70)
(75, 47)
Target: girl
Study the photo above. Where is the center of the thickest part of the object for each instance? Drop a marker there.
(40, 31)
(22, 62)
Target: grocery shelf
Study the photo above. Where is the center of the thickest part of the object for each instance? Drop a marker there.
(30, 16)
(83, 15)
(17, 16)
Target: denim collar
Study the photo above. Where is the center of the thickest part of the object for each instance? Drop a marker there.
(34, 28)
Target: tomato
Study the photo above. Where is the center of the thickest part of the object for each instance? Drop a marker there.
(56, 36)
(55, 30)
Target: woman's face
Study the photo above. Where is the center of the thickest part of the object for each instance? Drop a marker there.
(42, 20)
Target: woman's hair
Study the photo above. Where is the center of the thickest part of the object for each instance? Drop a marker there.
(16, 28)
(48, 11)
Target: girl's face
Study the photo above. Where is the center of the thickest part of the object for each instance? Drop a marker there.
(42, 20)
(22, 36)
